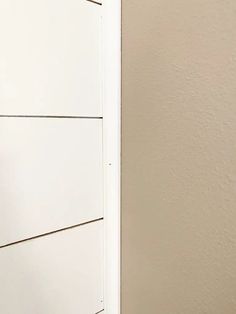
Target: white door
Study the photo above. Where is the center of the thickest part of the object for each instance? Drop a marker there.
(51, 157)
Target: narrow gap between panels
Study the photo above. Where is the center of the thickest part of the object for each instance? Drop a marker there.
(48, 116)
(52, 232)
(93, 1)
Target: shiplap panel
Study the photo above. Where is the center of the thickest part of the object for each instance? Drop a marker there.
(50, 57)
(50, 175)
(57, 274)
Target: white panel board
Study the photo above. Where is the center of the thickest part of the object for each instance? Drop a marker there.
(50, 53)
(50, 175)
(57, 274)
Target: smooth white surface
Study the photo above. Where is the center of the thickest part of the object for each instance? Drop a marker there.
(57, 274)
(50, 175)
(112, 151)
(50, 57)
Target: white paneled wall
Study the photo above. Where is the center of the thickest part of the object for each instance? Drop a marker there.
(50, 175)
(51, 157)
(57, 274)
(50, 57)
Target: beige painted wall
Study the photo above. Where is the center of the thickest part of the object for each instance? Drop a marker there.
(179, 157)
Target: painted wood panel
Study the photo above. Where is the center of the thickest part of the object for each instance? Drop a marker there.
(50, 53)
(57, 274)
(50, 175)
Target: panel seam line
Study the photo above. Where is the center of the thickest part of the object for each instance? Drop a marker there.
(51, 232)
(95, 2)
(49, 116)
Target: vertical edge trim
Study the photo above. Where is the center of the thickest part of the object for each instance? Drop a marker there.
(112, 151)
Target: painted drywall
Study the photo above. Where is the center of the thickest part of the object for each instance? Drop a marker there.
(179, 157)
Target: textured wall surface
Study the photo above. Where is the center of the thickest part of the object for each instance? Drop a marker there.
(179, 157)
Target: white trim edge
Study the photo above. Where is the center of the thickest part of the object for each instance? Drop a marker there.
(112, 150)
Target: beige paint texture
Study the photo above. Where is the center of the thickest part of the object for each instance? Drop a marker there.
(179, 157)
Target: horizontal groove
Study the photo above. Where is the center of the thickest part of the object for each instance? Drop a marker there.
(47, 116)
(95, 2)
(52, 232)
